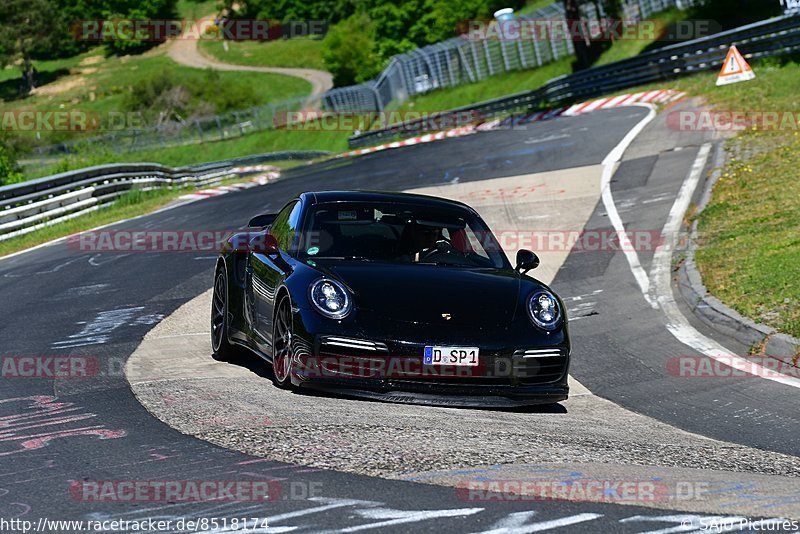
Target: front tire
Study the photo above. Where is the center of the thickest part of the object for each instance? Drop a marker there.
(222, 348)
(282, 344)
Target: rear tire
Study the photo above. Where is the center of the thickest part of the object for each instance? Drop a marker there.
(282, 344)
(222, 348)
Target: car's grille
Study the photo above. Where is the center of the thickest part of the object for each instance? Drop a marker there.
(539, 366)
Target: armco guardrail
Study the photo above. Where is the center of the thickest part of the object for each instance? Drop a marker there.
(34, 204)
(776, 36)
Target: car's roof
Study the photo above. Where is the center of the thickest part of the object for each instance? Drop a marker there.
(314, 197)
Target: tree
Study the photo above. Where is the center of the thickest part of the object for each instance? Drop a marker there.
(30, 29)
(349, 50)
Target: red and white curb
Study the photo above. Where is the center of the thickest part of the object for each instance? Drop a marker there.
(427, 138)
(261, 179)
(661, 97)
(651, 97)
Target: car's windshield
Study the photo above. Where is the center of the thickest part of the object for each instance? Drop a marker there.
(399, 233)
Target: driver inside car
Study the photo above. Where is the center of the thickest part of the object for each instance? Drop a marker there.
(418, 240)
(425, 238)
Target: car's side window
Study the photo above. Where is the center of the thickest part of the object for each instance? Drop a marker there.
(285, 226)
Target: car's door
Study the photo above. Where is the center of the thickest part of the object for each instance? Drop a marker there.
(268, 270)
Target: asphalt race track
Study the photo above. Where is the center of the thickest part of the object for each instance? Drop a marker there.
(59, 300)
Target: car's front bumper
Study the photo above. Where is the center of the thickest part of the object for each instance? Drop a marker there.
(381, 360)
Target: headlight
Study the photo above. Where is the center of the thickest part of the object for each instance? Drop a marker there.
(331, 298)
(544, 310)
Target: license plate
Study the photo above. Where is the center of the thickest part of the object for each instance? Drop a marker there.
(466, 356)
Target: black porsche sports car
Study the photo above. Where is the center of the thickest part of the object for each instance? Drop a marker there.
(401, 297)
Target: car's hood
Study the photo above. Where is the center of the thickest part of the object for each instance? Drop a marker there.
(431, 294)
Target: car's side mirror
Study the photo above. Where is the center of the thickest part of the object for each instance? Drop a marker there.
(264, 243)
(262, 221)
(526, 260)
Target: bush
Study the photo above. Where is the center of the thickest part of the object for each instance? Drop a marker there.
(164, 97)
(10, 172)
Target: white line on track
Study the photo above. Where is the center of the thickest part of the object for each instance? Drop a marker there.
(510, 526)
(609, 166)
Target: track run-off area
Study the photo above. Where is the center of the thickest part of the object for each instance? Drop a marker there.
(160, 408)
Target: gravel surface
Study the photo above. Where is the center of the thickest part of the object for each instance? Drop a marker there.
(389, 440)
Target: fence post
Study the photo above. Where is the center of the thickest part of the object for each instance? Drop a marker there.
(488, 58)
(504, 55)
(553, 46)
(475, 60)
(521, 51)
(465, 64)
(447, 59)
(219, 127)
(238, 123)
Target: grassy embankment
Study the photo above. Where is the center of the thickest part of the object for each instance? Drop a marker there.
(749, 235)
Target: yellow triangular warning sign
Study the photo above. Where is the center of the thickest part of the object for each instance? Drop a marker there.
(734, 68)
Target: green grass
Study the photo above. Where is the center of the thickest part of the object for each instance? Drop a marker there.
(195, 9)
(749, 254)
(535, 5)
(301, 52)
(254, 143)
(626, 48)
